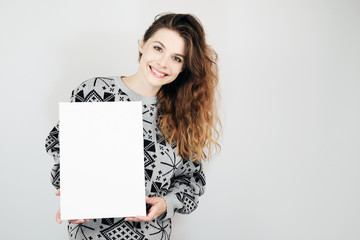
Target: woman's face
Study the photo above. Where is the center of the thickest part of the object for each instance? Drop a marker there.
(162, 57)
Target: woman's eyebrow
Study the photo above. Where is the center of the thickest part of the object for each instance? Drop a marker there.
(163, 46)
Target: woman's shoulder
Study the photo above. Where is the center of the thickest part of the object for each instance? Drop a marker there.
(97, 82)
(95, 89)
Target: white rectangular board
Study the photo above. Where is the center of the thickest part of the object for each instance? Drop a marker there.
(101, 160)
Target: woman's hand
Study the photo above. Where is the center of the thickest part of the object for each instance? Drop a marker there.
(58, 219)
(75, 221)
(158, 207)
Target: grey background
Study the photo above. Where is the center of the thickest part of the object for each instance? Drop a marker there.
(290, 83)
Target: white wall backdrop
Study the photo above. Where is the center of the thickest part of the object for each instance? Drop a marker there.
(290, 81)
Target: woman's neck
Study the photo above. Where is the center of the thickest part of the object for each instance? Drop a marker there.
(140, 86)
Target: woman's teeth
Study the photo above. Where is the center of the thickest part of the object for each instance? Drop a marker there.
(158, 73)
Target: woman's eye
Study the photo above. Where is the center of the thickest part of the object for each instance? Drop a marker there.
(178, 59)
(157, 48)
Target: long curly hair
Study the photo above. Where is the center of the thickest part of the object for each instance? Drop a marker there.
(188, 105)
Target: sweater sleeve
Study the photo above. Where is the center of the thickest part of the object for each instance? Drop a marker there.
(186, 188)
(52, 147)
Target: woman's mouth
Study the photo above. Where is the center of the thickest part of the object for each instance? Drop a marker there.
(157, 73)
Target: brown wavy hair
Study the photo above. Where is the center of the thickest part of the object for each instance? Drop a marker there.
(188, 105)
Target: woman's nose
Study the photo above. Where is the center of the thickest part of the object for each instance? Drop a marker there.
(163, 61)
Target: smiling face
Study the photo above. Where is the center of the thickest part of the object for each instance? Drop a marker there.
(162, 58)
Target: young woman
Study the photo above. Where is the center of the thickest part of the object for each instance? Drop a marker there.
(176, 82)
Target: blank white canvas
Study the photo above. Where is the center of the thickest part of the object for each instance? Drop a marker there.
(101, 160)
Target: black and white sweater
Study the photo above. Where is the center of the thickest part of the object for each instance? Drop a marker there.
(180, 182)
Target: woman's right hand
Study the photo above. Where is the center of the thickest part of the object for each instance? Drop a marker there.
(74, 221)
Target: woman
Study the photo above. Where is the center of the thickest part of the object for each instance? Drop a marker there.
(176, 82)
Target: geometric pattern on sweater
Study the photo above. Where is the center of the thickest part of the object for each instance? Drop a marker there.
(180, 182)
(121, 230)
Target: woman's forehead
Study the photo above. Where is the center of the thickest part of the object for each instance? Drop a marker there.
(169, 39)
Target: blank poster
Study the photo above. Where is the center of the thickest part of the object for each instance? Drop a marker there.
(101, 160)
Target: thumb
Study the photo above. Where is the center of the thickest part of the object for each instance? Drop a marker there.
(150, 200)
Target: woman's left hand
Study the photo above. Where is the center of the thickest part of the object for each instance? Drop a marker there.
(158, 207)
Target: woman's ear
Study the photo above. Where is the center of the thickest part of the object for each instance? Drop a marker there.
(141, 45)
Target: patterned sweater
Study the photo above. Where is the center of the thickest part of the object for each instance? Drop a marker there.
(180, 182)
